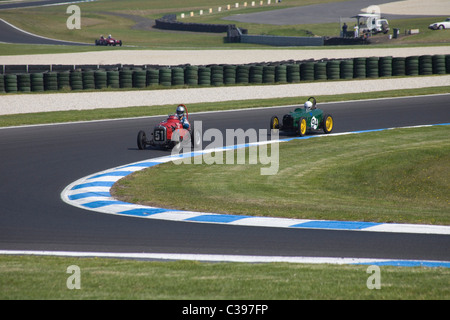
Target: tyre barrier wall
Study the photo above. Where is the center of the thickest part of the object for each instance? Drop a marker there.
(15, 79)
(171, 24)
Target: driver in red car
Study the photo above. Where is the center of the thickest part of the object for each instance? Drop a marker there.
(182, 117)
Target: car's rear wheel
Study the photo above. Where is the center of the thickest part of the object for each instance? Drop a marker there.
(327, 123)
(141, 140)
(274, 123)
(301, 127)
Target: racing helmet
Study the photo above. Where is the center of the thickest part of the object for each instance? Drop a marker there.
(308, 104)
(180, 111)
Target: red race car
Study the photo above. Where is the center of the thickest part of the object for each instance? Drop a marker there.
(108, 41)
(172, 132)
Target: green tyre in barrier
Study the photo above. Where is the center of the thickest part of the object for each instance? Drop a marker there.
(76, 80)
(293, 73)
(385, 66)
(100, 79)
(88, 80)
(112, 79)
(320, 70)
(281, 73)
(191, 75)
(165, 77)
(126, 78)
(50, 81)
(10, 83)
(2, 83)
(412, 66)
(204, 76)
(359, 68)
(425, 65)
(217, 75)
(256, 74)
(398, 66)
(139, 78)
(177, 76)
(268, 74)
(447, 63)
(346, 69)
(438, 61)
(333, 69)
(229, 74)
(307, 71)
(23, 82)
(152, 77)
(63, 80)
(372, 68)
(242, 74)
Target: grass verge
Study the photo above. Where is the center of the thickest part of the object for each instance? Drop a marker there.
(399, 175)
(36, 278)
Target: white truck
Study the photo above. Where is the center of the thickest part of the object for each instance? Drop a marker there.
(370, 22)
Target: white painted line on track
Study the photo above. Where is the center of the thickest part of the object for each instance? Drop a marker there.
(234, 258)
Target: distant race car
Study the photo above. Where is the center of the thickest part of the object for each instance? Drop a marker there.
(440, 25)
(170, 133)
(108, 42)
(301, 120)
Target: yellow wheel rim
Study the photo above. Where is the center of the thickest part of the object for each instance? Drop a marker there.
(303, 126)
(275, 123)
(329, 124)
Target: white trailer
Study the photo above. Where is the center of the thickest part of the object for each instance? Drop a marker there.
(370, 22)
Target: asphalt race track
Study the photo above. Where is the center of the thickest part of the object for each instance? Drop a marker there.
(11, 34)
(28, 4)
(316, 13)
(38, 162)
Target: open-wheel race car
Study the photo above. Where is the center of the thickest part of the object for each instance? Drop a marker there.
(301, 120)
(107, 41)
(174, 132)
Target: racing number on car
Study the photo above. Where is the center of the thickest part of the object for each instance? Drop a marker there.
(159, 135)
(314, 123)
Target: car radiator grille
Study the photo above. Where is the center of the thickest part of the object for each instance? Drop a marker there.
(287, 121)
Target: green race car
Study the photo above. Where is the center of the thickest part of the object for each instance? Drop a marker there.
(302, 120)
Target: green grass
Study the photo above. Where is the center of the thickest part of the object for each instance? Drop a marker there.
(37, 278)
(399, 175)
(116, 113)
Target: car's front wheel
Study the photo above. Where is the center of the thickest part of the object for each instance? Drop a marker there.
(301, 127)
(327, 123)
